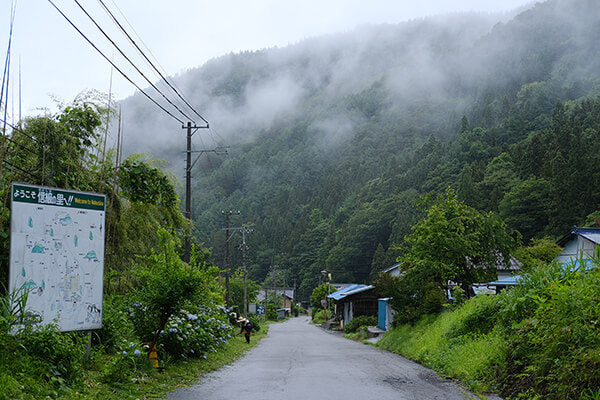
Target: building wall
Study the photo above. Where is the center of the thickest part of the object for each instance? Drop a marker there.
(575, 248)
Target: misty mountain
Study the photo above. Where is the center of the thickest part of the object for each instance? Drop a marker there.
(334, 138)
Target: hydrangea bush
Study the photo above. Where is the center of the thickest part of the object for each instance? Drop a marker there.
(195, 333)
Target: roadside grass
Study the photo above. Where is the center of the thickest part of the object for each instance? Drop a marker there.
(157, 383)
(359, 336)
(443, 343)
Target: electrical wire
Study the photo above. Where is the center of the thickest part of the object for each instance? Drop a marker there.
(150, 62)
(113, 64)
(21, 169)
(140, 39)
(132, 63)
(21, 145)
(16, 129)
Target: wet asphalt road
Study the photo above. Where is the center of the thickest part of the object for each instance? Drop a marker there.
(302, 361)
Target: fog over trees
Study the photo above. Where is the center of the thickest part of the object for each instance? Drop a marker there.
(335, 138)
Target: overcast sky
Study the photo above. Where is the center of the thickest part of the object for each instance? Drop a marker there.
(182, 34)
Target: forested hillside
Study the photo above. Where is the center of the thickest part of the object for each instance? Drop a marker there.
(334, 139)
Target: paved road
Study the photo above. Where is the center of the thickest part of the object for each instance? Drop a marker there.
(301, 361)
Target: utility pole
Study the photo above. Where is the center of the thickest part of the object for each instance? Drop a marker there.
(188, 194)
(244, 247)
(227, 237)
(244, 229)
(327, 275)
(188, 181)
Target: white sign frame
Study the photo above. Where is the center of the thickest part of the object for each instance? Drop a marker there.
(57, 254)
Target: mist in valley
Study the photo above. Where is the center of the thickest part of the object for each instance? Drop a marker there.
(315, 125)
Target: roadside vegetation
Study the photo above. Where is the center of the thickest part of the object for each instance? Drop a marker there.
(49, 364)
(198, 336)
(164, 320)
(539, 340)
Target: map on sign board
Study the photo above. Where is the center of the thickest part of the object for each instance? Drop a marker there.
(57, 254)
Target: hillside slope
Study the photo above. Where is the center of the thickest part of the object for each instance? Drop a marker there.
(333, 139)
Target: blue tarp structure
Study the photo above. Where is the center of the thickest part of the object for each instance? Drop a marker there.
(576, 265)
(510, 281)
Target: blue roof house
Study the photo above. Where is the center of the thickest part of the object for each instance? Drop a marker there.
(354, 300)
(580, 244)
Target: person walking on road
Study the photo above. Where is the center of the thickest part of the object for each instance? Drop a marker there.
(246, 327)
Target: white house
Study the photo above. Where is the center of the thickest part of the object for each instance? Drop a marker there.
(581, 243)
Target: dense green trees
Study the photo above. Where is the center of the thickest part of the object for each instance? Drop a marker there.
(151, 296)
(505, 113)
(456, 243)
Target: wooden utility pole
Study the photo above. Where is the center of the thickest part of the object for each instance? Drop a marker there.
(244, 229)
(188, 193)
(227, 237)
(188, 182)
(244, 247)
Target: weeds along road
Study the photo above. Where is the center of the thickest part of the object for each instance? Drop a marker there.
(302, 361)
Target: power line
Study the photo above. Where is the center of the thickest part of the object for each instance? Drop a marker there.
(131, 62)
(140, 38)
(21, 145)
(14, 128)
(150, 62)
(113, 64)
(21, 169)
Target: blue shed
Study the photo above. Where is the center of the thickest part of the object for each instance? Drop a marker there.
(385, 314)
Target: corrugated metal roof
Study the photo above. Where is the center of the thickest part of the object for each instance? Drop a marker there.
(591, 234)
(338, 295)
(392, 267)
(349, 290)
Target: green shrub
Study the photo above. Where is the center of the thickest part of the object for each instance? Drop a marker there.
(521, 301)
(57, 356)
(318, 316)
(555, 349)
(358, 322)
(127, 366)
(167, 285)
(193, 334)
(116, 325)
(271, 314)
(255, 322)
